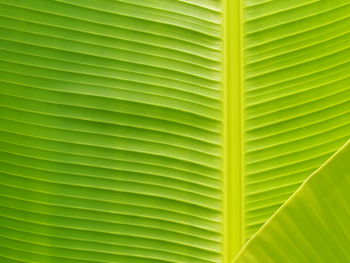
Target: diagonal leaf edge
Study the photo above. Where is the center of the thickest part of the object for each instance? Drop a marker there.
(311, 226)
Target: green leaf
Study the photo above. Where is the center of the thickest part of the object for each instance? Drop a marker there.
(297, 97)
(313, 225)
(162, 131)
(111, 126)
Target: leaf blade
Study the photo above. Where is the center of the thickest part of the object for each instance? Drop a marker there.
(312, 225)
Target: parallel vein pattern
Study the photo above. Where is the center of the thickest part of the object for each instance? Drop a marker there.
(110, 131)
(297, 96)
(313, 225)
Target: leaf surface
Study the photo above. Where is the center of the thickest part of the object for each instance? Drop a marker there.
(313, 225)
(297, 97)
(162, 131)
(110, 132)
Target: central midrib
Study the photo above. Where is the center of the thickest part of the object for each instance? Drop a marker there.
(233, 129)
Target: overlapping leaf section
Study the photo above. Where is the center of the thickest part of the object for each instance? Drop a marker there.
(313, 225)
(110, 131)
(297, 76)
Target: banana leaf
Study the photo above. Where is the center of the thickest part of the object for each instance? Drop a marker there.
(171, 131)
